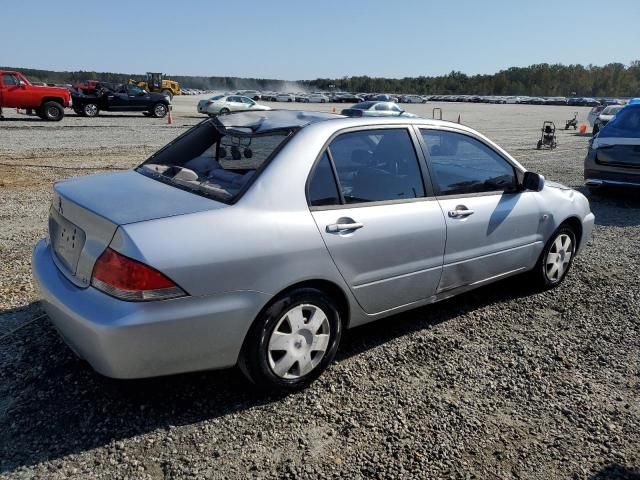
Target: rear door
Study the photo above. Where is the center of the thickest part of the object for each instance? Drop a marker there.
(384, 230)
(119, 100)
(493, 228)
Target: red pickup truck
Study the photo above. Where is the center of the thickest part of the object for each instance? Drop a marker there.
(17, 92)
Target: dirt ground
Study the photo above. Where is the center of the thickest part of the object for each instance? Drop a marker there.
(503, 382)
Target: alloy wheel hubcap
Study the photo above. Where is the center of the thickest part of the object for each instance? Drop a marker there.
(160, 110)
(299, 342)
(559, 257)
(90, 110)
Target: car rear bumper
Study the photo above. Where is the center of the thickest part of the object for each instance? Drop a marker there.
(145, 339)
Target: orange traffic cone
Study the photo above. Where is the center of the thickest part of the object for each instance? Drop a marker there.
(170, 117)
(333, 110)
(583, 128)
(458, 118)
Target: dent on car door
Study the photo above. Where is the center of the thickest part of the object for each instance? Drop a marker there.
(384, 233)
(493, 227)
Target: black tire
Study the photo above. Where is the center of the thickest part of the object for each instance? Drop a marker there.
(539, 146)
(540, 274)
(90, 110)
(255, 357)
(223, 111)
(159, 110)
(52, 111)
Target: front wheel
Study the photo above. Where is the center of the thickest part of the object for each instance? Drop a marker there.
(160, 110)
(293, 341)
(52, 111)
(556, 258)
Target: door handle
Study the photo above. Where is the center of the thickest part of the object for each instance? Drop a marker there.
(460, 212)
(343, 227)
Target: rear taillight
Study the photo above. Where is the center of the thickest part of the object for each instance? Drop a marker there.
(130, 280)
(210, 103)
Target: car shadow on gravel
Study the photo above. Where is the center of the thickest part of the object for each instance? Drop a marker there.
(614, 208)
(52, 404)
(617, 472)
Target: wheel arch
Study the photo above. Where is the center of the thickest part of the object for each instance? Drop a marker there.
(576, 226)
(52, 99)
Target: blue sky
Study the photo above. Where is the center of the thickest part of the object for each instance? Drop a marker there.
(296, 40)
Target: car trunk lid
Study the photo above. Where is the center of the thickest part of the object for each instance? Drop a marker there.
(86, 212)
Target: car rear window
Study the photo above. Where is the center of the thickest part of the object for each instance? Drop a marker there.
(212, 163)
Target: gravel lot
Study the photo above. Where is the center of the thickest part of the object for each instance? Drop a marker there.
(503, 382)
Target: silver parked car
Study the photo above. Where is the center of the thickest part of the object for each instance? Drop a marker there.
(376, 109)
(258, 237)
(221, 104)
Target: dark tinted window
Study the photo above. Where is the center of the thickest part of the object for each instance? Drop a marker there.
(322, 185)
(9, 79)
(382, 106)
(376, 165)
(462, 164)
(134, 90)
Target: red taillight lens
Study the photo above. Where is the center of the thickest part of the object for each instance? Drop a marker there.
(128, 279)
(210, 103)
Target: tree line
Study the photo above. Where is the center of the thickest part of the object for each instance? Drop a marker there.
(614, 79)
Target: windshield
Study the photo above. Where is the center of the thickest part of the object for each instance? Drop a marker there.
(213, 162)
(612, 110)
(626, 124)
(363, 105)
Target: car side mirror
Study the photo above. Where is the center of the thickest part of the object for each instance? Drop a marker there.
(532, 181)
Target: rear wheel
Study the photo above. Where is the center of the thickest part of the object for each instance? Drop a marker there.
(52, 111)
(168, 93)
(539, 146)
(556, 258)
(90, 110)
(292, 341)
(223, 111)
(159, 110)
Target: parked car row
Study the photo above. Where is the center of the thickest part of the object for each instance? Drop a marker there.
(86, 100)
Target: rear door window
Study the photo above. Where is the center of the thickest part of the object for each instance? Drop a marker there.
(377, 165)
(323, 189)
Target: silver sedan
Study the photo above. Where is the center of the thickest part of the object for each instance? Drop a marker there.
(256, 238)
(221, 104)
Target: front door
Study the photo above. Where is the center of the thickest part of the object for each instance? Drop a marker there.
(12, 94)
(139, 99)
(493, 227)
(384, 231)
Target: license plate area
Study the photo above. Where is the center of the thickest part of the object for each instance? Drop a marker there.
(67, 240)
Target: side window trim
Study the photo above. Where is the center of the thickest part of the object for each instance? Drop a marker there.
(427, 156)
(334, 172)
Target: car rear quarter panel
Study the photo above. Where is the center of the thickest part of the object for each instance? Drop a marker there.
(266, 242)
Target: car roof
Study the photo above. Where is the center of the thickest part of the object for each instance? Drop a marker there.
(270, 120)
